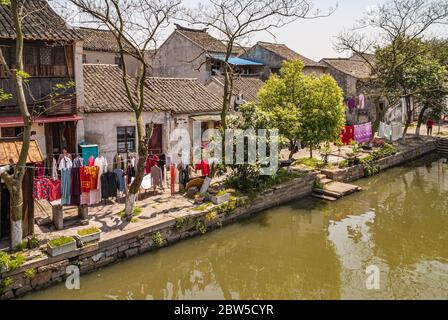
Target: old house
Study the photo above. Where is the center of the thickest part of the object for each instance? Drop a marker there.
(353, 75)
(170, 103)
(194, 53)
(52, 58)
(101, 47)
(245, 89)
(272, 55)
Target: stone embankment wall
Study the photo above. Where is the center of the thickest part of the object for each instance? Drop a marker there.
(47, 271)
(357, 172)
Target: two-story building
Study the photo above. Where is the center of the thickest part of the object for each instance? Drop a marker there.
(53, 60)
(101, 47)
(353, 75)
(194, 53)
(272, 56)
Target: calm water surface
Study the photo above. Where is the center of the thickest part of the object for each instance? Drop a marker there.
(308, 249)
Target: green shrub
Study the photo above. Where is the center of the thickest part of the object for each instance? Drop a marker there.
(33, 242)
(30, 273)
(22, 245)
(5, 284)
(200, 226)
(343, 164)
(11, 262)
(157, 239)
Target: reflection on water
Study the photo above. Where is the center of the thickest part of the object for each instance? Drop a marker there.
(305, 250)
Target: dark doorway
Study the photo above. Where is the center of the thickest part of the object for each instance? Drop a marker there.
(156, 141)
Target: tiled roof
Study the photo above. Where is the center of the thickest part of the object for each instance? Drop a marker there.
(354, 67)
(100, 40)
(40, 23)
(104, 92)
(247, 86)
(287, 53)
(203, 39)
(10, 150)
(184, 95)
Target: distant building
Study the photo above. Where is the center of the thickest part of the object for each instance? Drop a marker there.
(353, 76)
(272, 55)
(101, 47)
(194, 53)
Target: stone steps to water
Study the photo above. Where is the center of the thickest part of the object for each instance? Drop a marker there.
(332, 190)
(442, 145)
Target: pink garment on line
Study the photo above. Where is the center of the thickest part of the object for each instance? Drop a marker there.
(363, 132)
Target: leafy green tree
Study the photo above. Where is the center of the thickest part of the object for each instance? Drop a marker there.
(414, 73)
(303, 108)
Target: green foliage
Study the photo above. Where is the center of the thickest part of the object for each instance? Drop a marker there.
(370, 169)
(252, 182)
(4, 95)
(210, 216)
(22, 74)
(312, 163)
(203, 206)
(303, 108)
(409, 66)
(5, 284)
(11, 262)
(343, 164)
(200, 226)
(22, 245)
(60, 241)
(157, 239)
(135, 214)
(30, 273)
(317, 184)
(33, 242)
(88, 231)
(181, 222)
(5, 2)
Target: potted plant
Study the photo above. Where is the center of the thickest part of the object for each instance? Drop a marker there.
(87, 235)
(220, 197)
(60, 246)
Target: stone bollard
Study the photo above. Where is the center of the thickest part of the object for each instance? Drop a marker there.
(83, 214)
(58, 217)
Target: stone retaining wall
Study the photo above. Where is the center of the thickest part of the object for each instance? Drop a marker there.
(357, 172)
(47, 271)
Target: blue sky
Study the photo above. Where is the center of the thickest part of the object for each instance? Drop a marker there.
(315, 38)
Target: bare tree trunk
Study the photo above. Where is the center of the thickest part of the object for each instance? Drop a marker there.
(227, 99)
(144, 134)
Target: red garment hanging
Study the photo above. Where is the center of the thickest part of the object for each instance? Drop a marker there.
(151, 161)
(55, 190)
(204, 167)
(348, 134)
(172, 178)
(86, 179)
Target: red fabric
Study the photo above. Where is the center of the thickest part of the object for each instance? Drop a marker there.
(172, 178)
(204, 167)
(55, 190)
(151, 161)
(40, 171)
(430, 123)
(91, 161)
(348, 134)
(86, 179)
(41, 189)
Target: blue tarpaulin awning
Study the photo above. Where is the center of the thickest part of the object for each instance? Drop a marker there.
(235, 61)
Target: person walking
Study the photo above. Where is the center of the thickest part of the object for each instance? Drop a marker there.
(429, 126)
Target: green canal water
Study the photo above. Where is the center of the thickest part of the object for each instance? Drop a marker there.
(307, 249)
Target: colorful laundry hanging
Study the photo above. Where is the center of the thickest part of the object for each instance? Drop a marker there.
(363, 132)
(65, 186)
(41, 189)
(75, 186)
(55, 190)
(172, 178)
(348, 135)
(204, 167)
